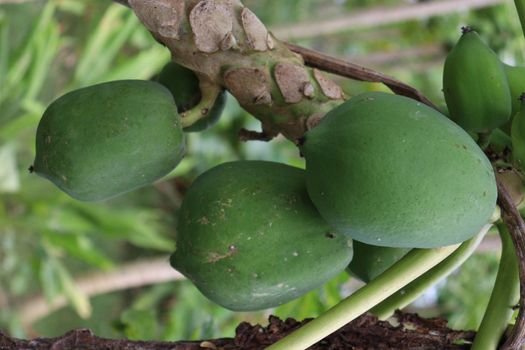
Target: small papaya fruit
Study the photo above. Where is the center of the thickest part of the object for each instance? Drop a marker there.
(389, 171)
(184, 86)
(369, 261)
(517, 135)
(100, 141)
(516, 80)
(475, 85)
(249, 237)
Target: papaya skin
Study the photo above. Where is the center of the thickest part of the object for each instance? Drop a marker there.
(475, 85)
(518, 136)
(183, 84)
(249, 237)
(516, 79)
(370, 261)
(100, 141)
(389, 171)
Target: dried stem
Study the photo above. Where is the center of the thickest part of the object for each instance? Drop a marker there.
(516, 226)
(350, 70)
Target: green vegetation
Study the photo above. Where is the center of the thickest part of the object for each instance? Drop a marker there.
(47, 240)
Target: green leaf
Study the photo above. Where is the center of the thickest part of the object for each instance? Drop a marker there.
(76, 297)
(79, 247)
(23, 62)
(49, 279)
(104, 44)
(45, 48)
(140, 227)
(143, 66)
(4, 51)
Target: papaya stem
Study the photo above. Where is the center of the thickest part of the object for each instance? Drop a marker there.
(209, 92)
(504, 297)
(520, 7)
(412, 291)
(410, 267)
(516, 226)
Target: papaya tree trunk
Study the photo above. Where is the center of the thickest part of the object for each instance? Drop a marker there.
(226, 45)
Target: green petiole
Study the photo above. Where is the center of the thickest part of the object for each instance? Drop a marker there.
(210, 93)
(410, 267)
(504, 297)
(412, 291)
(520, 7)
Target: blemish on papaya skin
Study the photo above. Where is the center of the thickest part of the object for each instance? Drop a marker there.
(214, 257)
(329, 235)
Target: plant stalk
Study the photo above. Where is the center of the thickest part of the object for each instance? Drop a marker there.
(520, 7)
(504, 297)
(415, 289)
(410, 267)
(516, 226)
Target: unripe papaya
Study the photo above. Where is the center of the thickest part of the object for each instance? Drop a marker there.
(518, 137)
(184, 86)
(370, 261)
(390, 171)
(249, 237)
(97, 142)
(475, 85)
(516, 80)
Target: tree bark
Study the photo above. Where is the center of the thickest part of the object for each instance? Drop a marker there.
(278, 83)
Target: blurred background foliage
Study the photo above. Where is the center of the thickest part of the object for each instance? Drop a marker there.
(48, 240)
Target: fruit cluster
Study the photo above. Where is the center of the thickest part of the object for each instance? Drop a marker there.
(384, 174)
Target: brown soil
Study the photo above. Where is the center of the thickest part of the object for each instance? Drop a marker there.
(366, 332)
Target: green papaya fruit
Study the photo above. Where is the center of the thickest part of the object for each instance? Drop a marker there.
(97, 142)
(369, 261)
(517, 136)
(390, 171)
(184, 86)
(249, 237)
(475, 85)
(516, 80)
